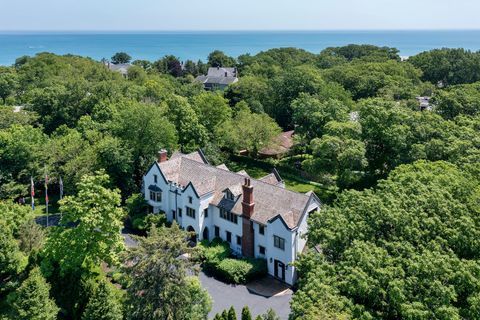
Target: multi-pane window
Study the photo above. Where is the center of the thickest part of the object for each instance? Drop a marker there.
(279, 242)
(156, 196)
(228, 215)
(205, 212)
(261, 229)
(261, 250)
(190, 212)
(229, 236)
(190, 199)
(217, 232)
(239, 240)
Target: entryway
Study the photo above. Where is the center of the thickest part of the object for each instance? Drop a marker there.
(279, 270)
(206, 235)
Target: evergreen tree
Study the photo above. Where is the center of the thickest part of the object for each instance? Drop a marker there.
(270, 315)
(231, 314)
(163, 278)
(103, 305)
(31, 301)
(225, 315)
(246, 315)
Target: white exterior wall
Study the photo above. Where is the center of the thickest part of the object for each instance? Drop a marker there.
(149, 180)
(260, 240)
(205, 222)
(277, 227)
(225, 225)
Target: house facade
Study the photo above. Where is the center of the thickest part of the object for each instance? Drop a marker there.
(218, 78)
(258, 217)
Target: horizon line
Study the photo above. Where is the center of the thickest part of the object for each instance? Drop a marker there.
(230, 30)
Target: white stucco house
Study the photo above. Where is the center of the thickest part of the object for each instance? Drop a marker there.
(259, 218)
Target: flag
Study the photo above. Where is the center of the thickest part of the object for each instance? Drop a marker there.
(32, 192)
(60, 182)
(46, 189)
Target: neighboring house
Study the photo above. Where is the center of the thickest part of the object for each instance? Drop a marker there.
(218, 78)
(259, 218)
(121, 68)
(424, 103)
(284, 142)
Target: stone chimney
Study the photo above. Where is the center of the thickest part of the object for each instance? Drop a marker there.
(162, 156)
(247, 227)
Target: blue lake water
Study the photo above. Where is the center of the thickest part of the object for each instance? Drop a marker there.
(197, 45)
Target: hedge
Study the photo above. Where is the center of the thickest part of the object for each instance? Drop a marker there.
(218, 261)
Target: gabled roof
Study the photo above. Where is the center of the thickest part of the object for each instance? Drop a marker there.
(270, 199)
(221, 71)
(219, 75)
(273, 178)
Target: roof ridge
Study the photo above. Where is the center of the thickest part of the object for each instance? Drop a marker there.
(259, 181)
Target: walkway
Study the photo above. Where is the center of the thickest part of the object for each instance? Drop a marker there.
(225, 295)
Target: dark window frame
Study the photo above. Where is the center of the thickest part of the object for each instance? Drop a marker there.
(239, 240)
(190, 212)
(205, 212)
(279, 242)
(228, 215)
(228, 236)
(261, 229)
(217, 231)
(260, 249)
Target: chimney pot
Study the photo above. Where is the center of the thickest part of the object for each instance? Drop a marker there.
(162, 156)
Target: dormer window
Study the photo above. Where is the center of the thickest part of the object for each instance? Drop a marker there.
(229, 195)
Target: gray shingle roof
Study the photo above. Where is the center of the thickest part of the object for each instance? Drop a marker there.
(224, 76)
(270, 200)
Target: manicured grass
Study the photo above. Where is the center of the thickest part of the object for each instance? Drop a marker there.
(252, 170)
(258, 168)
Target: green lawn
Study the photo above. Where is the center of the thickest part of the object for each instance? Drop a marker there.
(257, 169)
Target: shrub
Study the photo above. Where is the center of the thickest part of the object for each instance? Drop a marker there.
(143, 223)
(218, 261)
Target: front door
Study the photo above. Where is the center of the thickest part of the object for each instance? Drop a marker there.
(279, 270)
(205, 234)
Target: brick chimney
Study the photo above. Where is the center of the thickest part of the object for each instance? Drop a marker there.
(162, 156)
(247, 227)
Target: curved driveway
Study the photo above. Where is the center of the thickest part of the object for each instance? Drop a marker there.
(225, 295)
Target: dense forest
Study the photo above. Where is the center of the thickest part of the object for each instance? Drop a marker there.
(398, 236)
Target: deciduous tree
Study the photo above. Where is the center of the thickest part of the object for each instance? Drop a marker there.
(97, 218)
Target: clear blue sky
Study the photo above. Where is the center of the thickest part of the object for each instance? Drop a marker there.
(238, 15)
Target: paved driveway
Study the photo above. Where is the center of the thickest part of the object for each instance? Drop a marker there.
(225, 295)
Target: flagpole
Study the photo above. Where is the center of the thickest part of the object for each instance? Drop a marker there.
(61, 194)
(46, 193)
(32, 192)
